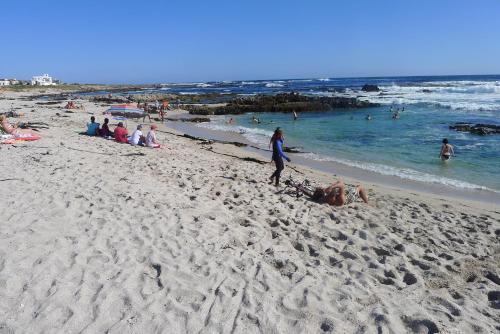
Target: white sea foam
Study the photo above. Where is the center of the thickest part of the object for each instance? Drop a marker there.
(457, 95)
(258, 136)
(273, 84)
(404, 173)
(324, 79)
(204, 85)
(249, 83)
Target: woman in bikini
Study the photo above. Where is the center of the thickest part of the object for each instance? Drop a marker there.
(446, 151)
(14, 131)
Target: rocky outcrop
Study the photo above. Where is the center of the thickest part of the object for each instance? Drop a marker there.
(478, 129)
(188, 119)
(370, 88)
(286, 102)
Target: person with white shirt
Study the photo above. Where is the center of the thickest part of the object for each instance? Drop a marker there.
(137, 137)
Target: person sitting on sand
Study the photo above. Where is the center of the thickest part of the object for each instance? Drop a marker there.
(121, 133)
(137, 137)
(92, 127)
(105, 131)
(337, 194)
(151, 140)
(446, 150)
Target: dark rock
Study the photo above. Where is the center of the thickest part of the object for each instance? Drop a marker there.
(370, 88)
(426, 91)
(292, 150)
(189, 119)
(286, 103)
(478, 129)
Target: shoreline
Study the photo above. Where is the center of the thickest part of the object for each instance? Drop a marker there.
(356, 174)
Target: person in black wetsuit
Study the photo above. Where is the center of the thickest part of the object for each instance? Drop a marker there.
(278, 156)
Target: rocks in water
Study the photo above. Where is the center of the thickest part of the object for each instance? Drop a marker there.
(286, 102)
(478, 129)
(189, 119)
(292, 150)
(370, 88)
(426, 91)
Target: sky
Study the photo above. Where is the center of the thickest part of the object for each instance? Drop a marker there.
(153, 41)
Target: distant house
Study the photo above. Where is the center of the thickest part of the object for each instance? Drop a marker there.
(4, 82)
(42, 80)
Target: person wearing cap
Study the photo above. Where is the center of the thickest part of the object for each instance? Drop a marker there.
(151, 140)
(121, 133)
(137, 137)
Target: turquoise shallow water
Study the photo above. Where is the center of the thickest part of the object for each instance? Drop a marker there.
(407, 147)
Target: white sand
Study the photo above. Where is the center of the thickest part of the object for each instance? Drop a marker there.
(120, 239)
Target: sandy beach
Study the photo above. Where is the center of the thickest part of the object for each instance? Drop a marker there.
(102, 237)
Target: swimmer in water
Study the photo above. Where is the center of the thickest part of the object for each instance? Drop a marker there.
(368, 117)
(446, 150)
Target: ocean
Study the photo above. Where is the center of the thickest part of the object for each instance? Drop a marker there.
(407, 147)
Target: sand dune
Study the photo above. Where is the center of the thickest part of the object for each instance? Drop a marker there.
(97, 237)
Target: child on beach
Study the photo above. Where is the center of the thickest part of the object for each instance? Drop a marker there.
(446, 150)
(278, 156)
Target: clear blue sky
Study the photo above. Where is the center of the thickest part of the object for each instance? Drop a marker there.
(149, 41)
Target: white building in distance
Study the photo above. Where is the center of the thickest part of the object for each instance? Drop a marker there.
(4, 82)
(42, 80)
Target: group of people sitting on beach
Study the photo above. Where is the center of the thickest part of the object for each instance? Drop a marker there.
(120, 133)
(72, 105)
(337, 194)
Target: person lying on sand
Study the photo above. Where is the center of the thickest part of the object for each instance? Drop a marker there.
(337, 194)
(10, 129)
(151, 140)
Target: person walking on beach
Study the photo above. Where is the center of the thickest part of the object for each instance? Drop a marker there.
(446, 150)
(146, 112)
(278, 156)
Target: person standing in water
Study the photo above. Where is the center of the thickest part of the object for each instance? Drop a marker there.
(295, 116)
(446, 150)
(278, 157)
